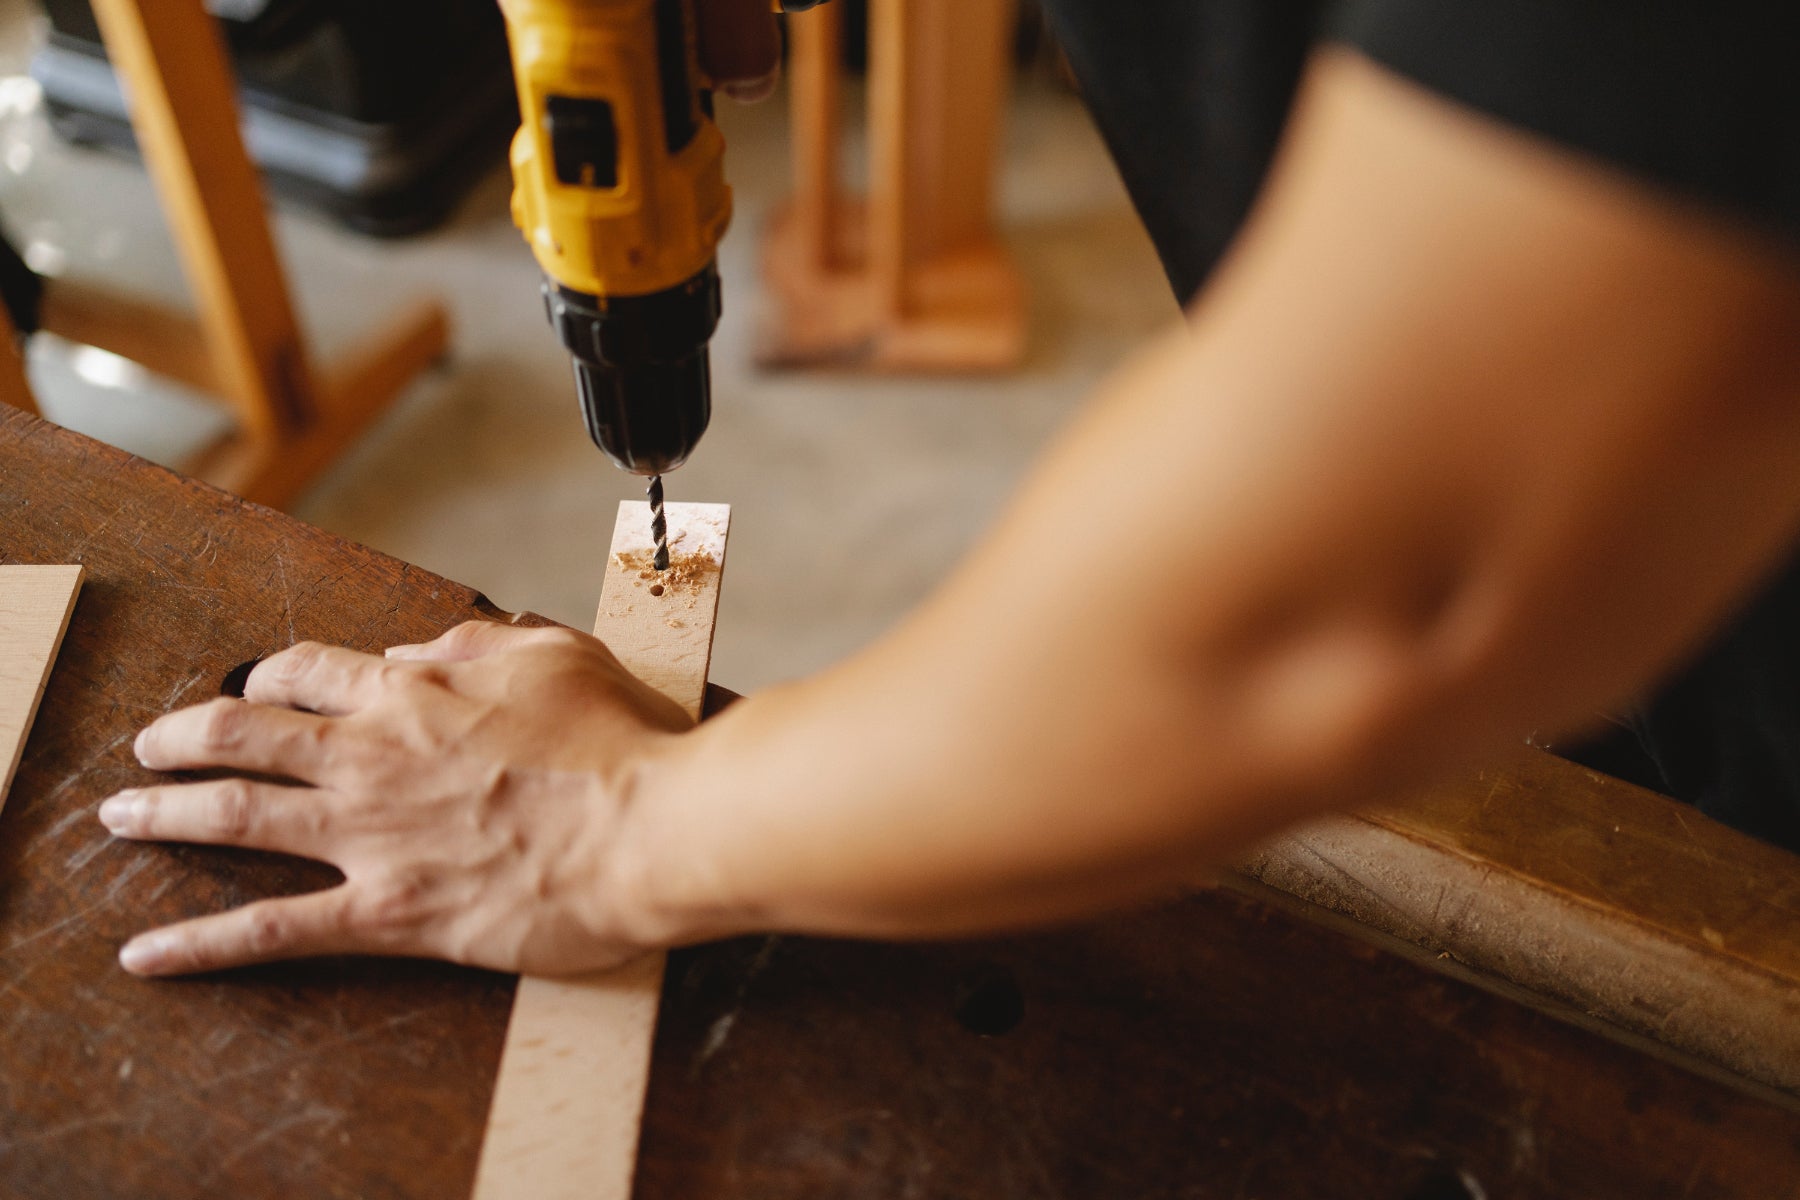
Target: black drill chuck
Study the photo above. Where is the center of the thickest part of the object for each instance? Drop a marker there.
(641, 367)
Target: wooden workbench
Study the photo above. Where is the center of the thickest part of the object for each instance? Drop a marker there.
(1216, 1047)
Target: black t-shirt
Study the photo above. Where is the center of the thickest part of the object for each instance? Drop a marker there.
(1700, 101)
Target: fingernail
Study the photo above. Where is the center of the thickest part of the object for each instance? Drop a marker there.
(137, 745)
(144, 954)
(399, 651)
(121, 812)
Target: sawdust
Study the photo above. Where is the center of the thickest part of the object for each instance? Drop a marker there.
(686, 575)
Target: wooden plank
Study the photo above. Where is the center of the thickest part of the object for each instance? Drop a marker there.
(569, 1099)
(793, 1067)
(35, 604)
(1595, 894)
(331, 1078)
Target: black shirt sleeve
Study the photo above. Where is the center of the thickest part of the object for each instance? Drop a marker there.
(1700, 99)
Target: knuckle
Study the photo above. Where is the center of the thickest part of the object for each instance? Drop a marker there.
(398, 900)
(429, 675)
(567, 638)
(265, 930)
(292, 664)
(465, 635)
(391, 677)
(222, 724)
(233, 809)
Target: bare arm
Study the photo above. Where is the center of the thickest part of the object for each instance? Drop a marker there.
(1466, 439)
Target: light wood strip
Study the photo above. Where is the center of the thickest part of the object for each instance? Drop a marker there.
(570, 1095)
(35, 605)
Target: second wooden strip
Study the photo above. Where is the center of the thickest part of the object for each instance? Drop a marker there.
(35, 605)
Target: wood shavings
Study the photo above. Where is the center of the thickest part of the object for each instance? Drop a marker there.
(686, 573)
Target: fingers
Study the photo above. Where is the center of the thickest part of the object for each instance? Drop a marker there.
(471, 639)
(225, 812)
(739, 46)
(323, 679)
(292, 927)
(238, 734)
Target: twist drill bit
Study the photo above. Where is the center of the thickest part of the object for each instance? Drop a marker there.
(659, 528)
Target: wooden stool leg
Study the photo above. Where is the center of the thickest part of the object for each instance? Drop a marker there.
(246, 346)
(15, 388)
(919, 279)
(938, 71)
(171, 62)
(815, 90)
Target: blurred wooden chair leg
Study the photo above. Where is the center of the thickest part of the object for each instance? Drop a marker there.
(15, 388)
(916, 278)
(244, 346)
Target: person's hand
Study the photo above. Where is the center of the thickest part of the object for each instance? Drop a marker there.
(472, 790)
(739, 46)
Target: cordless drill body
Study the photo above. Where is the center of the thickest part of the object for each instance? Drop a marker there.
(618, 186)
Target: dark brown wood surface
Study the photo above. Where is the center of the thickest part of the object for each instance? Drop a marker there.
(1214, 1048)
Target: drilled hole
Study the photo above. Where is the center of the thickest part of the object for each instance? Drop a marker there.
(656, 589)
(1445, 1184)
(989, 1003)
(233, 683)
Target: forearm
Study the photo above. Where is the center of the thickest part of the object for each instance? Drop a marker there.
(1468, 439)
(1416, 484)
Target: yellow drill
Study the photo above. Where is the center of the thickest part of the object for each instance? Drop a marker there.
(619, 187)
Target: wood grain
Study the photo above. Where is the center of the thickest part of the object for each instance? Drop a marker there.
(1620, 903)
(569, 1099)
(1211, 1048)
(35, 605)
(336, 1079)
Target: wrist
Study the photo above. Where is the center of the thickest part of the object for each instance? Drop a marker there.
(663, 883)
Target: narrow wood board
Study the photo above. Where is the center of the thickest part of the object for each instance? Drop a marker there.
(35, 605)
(569, 1099)
(1594, 894)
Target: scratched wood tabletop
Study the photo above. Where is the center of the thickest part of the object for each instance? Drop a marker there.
(1216, 1047)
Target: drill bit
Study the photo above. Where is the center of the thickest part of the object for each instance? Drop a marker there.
(659, 528)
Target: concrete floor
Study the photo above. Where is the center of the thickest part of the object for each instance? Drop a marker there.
(852, 495)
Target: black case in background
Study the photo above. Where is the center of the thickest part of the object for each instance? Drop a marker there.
(380, 113)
